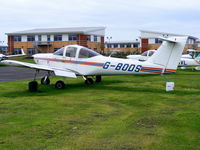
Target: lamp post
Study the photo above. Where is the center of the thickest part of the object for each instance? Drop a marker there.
(108, 38)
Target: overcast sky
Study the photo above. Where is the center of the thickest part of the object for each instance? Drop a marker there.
(122, 18)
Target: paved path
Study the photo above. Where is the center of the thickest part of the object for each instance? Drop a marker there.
(8, 73)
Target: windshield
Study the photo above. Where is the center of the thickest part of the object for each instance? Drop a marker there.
(59, 52)
(151, 53)
(87, 53)
(144, 54)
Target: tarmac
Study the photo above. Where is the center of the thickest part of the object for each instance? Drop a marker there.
(8, 73)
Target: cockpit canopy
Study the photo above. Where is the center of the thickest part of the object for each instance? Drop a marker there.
(72, 51)
(194, 54)
(87, 53)
(148, 53)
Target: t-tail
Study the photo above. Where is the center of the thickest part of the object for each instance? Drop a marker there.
(169, 53)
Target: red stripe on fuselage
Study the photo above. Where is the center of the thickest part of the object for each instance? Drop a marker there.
(74, 62)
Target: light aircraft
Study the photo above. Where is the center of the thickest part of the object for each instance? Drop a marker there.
(3, 57)
(73, 60)
(191, 59)
(144, 56)
(187, 60)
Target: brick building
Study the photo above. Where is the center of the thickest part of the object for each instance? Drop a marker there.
(50, 39)
(149, 40)
(123, 46)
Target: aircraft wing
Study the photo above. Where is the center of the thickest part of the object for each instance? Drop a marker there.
(57, 71)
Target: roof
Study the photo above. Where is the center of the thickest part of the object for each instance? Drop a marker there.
(81, 30)
(164, 34)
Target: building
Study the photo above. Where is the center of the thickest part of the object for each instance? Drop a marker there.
(123, 46)
(50, 39)
(149, 40)
(3, 49)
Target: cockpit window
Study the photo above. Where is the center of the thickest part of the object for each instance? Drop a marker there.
(151, 53)
(144, 54)
(71, 52)
(59, 52)
(87, 53)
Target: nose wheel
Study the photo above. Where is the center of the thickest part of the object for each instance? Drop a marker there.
(45, 80)
(89, 81)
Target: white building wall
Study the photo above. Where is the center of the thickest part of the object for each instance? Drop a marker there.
(92, 38)
(24, 38)
(65, 37)
(98, 39)
(151, 41)
(36, 37)
(44, 38)
(52, 37)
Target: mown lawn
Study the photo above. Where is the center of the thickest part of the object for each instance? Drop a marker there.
(120, 113)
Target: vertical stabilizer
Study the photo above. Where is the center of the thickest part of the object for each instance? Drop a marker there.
(169, 53)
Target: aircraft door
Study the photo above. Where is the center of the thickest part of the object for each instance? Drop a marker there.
(70, 58)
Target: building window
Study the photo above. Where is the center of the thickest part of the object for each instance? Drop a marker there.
(39, 37)
(135, 45)
(17, 38)
(30, 38)
(72, 37)
(17, 50)
(48, 37)
(108, 45)
(122, 45)
(31, 51)
(128, 45)
(88, 38)
(158, 41)
(58, 37)
(115, 45)
(95, 38)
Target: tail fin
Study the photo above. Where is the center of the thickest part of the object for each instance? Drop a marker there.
(169, 53)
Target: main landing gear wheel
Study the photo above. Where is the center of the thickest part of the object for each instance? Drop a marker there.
(60, 85)
(45, 81)
(98, 78)
(89, 81)
(33, 86)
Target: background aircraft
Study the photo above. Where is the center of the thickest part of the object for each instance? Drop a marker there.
(142, 57)
(187, 60)
(72, 61)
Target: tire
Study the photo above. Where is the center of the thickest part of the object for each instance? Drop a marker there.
(45, 82)
(33, 86)
(98, 78)
(89, 81)
(60, 85)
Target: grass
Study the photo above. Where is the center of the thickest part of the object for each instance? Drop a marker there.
(120, 113)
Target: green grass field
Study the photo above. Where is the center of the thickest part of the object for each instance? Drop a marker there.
(121, 113)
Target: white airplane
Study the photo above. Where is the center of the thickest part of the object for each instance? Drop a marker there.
(73, 60)
(143, 57)
(187, 60)
(191, 59)
(3, 57)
